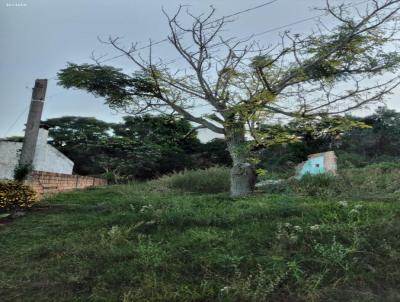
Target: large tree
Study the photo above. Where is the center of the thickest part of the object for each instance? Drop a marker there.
(139, 147)
(79, 138)
(380, 140)
(333, 70)
(174, 138)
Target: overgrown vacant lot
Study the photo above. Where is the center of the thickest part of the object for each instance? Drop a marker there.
(132, 243)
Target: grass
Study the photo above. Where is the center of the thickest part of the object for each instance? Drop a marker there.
(133, 243)
(374, 182)
(211, 180)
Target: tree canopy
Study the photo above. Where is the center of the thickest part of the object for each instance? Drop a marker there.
(78, 137)
(333, 70)
(140, 147)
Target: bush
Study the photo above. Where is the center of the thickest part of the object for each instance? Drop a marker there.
(378, 179)
(16, 196)
(318, 185)
(22, 171)
(211, 180)
(348, 160)
(351, 160)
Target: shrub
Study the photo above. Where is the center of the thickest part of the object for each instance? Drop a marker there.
(351, 160)
(355, 160)
(111, 177)
(211, 180)
(380, 178)
(317, 185)
(16, 196)
(22, 171)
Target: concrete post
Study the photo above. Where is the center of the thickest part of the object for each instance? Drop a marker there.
(33, 123)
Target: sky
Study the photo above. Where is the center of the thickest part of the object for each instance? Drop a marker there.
(39, 37)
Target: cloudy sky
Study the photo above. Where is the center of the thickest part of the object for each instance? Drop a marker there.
(38, 38)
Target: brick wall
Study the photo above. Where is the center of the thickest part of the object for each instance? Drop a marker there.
(47, 182)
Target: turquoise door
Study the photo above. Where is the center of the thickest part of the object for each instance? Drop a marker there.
(313, 166)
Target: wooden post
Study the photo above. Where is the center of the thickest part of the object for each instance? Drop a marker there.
(33, 123)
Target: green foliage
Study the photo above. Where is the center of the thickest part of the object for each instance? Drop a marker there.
(16, 196)
(22, 171)
(380, 179)
(131, 243)
(325, 72)
(140, 147)
(213, 153)
(127, 158)
(78, 138)
(323, 185)
(351, 160)
(173, 138)
(309, 132)
(211, 180)
(357, 142)
(381, 138)
(262, 62)
(270, 135)
(364, 52)
(119, 89)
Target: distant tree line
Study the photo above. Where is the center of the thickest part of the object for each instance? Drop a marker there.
(145, 147)
(140, 147)
(358, 141)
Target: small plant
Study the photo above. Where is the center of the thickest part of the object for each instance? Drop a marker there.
(334, 253)
(111, 177)
(288, 234)
(16, 196)
(21, 171)
(115, 236)
(256, 287)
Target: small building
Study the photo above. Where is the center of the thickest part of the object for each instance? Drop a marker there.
(319, 163)
(46, 159)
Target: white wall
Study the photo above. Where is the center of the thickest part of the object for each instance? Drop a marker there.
(47, 158)
(8, 158)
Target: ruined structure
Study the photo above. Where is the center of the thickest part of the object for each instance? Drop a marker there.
(46, 157)
(319, 163)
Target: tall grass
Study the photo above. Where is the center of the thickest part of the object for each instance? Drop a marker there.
(376, 180)
(370, 181)
(211, 180)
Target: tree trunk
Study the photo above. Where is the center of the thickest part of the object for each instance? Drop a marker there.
(243, 176)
